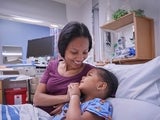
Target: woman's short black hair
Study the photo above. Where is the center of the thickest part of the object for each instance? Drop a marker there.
(110, 79)
(69, 32)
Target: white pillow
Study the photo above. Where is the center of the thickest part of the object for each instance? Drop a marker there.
(127, 109)
(138, 81)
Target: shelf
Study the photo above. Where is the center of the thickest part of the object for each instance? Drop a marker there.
(121, 22)
(142, 32)
(132, 60)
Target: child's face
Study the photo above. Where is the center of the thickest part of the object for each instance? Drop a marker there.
(89, 82)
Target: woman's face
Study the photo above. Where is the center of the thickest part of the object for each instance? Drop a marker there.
(76, 52)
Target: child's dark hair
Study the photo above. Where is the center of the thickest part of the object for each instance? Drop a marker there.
(110, 79)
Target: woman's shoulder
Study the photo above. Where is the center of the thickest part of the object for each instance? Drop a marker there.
(85, 70)
(87, 65)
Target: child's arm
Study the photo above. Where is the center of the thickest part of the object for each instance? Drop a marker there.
(74, 110)
(74, 103)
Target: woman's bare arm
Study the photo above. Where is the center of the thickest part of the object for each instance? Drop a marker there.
(43, 99)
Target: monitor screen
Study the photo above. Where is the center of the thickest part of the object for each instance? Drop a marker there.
(41, 47)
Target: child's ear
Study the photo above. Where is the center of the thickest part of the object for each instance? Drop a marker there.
(101, 85)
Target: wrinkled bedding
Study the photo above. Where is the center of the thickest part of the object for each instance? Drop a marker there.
(22, 112)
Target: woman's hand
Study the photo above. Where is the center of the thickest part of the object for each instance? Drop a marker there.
(73, 89)
(109, 118)
(57, 109)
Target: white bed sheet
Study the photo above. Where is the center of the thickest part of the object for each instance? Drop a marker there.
(129, 109)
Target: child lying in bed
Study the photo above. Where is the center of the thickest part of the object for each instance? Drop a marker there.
(94, 88)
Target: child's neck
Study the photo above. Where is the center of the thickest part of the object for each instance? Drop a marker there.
(87, 98)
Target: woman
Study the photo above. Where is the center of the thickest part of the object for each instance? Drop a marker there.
(74, 44)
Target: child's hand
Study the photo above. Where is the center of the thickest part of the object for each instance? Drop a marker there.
(73, 89)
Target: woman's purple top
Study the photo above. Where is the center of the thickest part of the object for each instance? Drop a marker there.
(56, 84)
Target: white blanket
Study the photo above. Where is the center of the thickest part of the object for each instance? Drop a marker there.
(22, 112)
